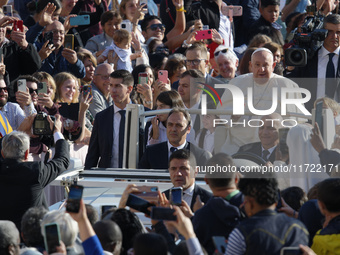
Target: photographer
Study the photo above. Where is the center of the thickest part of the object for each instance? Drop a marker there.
(23, 181)
(323, 66)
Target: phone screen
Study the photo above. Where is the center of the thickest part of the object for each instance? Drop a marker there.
(52, 237)
(142, 78)
(161, 213)
(138, 204)
(176, 196)
(42, 88)
(220, 243)
(74, 197)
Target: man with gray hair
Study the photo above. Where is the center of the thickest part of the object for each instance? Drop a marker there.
(227, 63)
(262, 82)
(9, 238)
(22, 182)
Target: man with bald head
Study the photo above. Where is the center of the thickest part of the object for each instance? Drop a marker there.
(268, 134)
(261, 82)
(101, 89)
(55, 58)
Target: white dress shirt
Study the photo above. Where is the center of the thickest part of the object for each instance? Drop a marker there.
(178, 148)
(188, 194)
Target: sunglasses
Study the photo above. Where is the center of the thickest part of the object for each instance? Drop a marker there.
(223, 51)
(5, 89)
(33, 90)
(154, 27)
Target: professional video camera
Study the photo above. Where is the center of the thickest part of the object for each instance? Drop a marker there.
(41, 126)
(307, 41)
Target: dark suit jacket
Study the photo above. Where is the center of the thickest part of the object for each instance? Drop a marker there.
(156, 156)
(22, 183)
(198, 191)
(100, 147)
(311, 71)
(256, 149)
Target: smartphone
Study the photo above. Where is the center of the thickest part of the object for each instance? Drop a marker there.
(161, 213)
(42, 88)
(7, 10)
(87, 90)
(48, 36)
(22, 85)
(52, 237)
(290, 251)
(18, 25)
(283, 132)
(220, 243)
(80, 20)
(145, 8)
(105, 208)
(69, 42)
(74, 197)
(231, 10)
(126, 25)
(142, 78)
(176, 196)
(149, 193)
(203, 34)
(163, 76)
(139, 204)
(279, 201)
(319, 116)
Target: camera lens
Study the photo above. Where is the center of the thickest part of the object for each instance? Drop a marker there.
(296, 56)
(209, 32)
(123, 26)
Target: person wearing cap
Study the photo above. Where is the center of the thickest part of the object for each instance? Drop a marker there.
(266, 24)
(261, 81)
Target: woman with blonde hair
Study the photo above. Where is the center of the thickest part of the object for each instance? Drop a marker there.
(68, 92)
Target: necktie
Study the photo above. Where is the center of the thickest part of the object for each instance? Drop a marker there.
(265, 154)
(173, 149)
(330, 77)
(121, 137)
(197, 124)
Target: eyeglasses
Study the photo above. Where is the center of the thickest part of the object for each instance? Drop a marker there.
(103, 76)
(33, 90)
(223, 51)
(154, 27)
(194, 62)
(5, 89)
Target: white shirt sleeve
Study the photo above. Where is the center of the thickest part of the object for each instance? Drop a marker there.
(236, 243)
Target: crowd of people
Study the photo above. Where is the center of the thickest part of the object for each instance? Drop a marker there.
(64, 90)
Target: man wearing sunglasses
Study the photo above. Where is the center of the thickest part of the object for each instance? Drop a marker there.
(12, 111)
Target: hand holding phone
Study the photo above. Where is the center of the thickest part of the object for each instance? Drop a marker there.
(161, 213)
(74, 197)
(176, 196)
(203, 34)
(80, 20)
(143, 78)
(51, 237)
(139, 204)
(163, 76)
(22, 85)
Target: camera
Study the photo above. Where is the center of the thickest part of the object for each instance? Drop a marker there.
(41, 126)
(306, 42)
